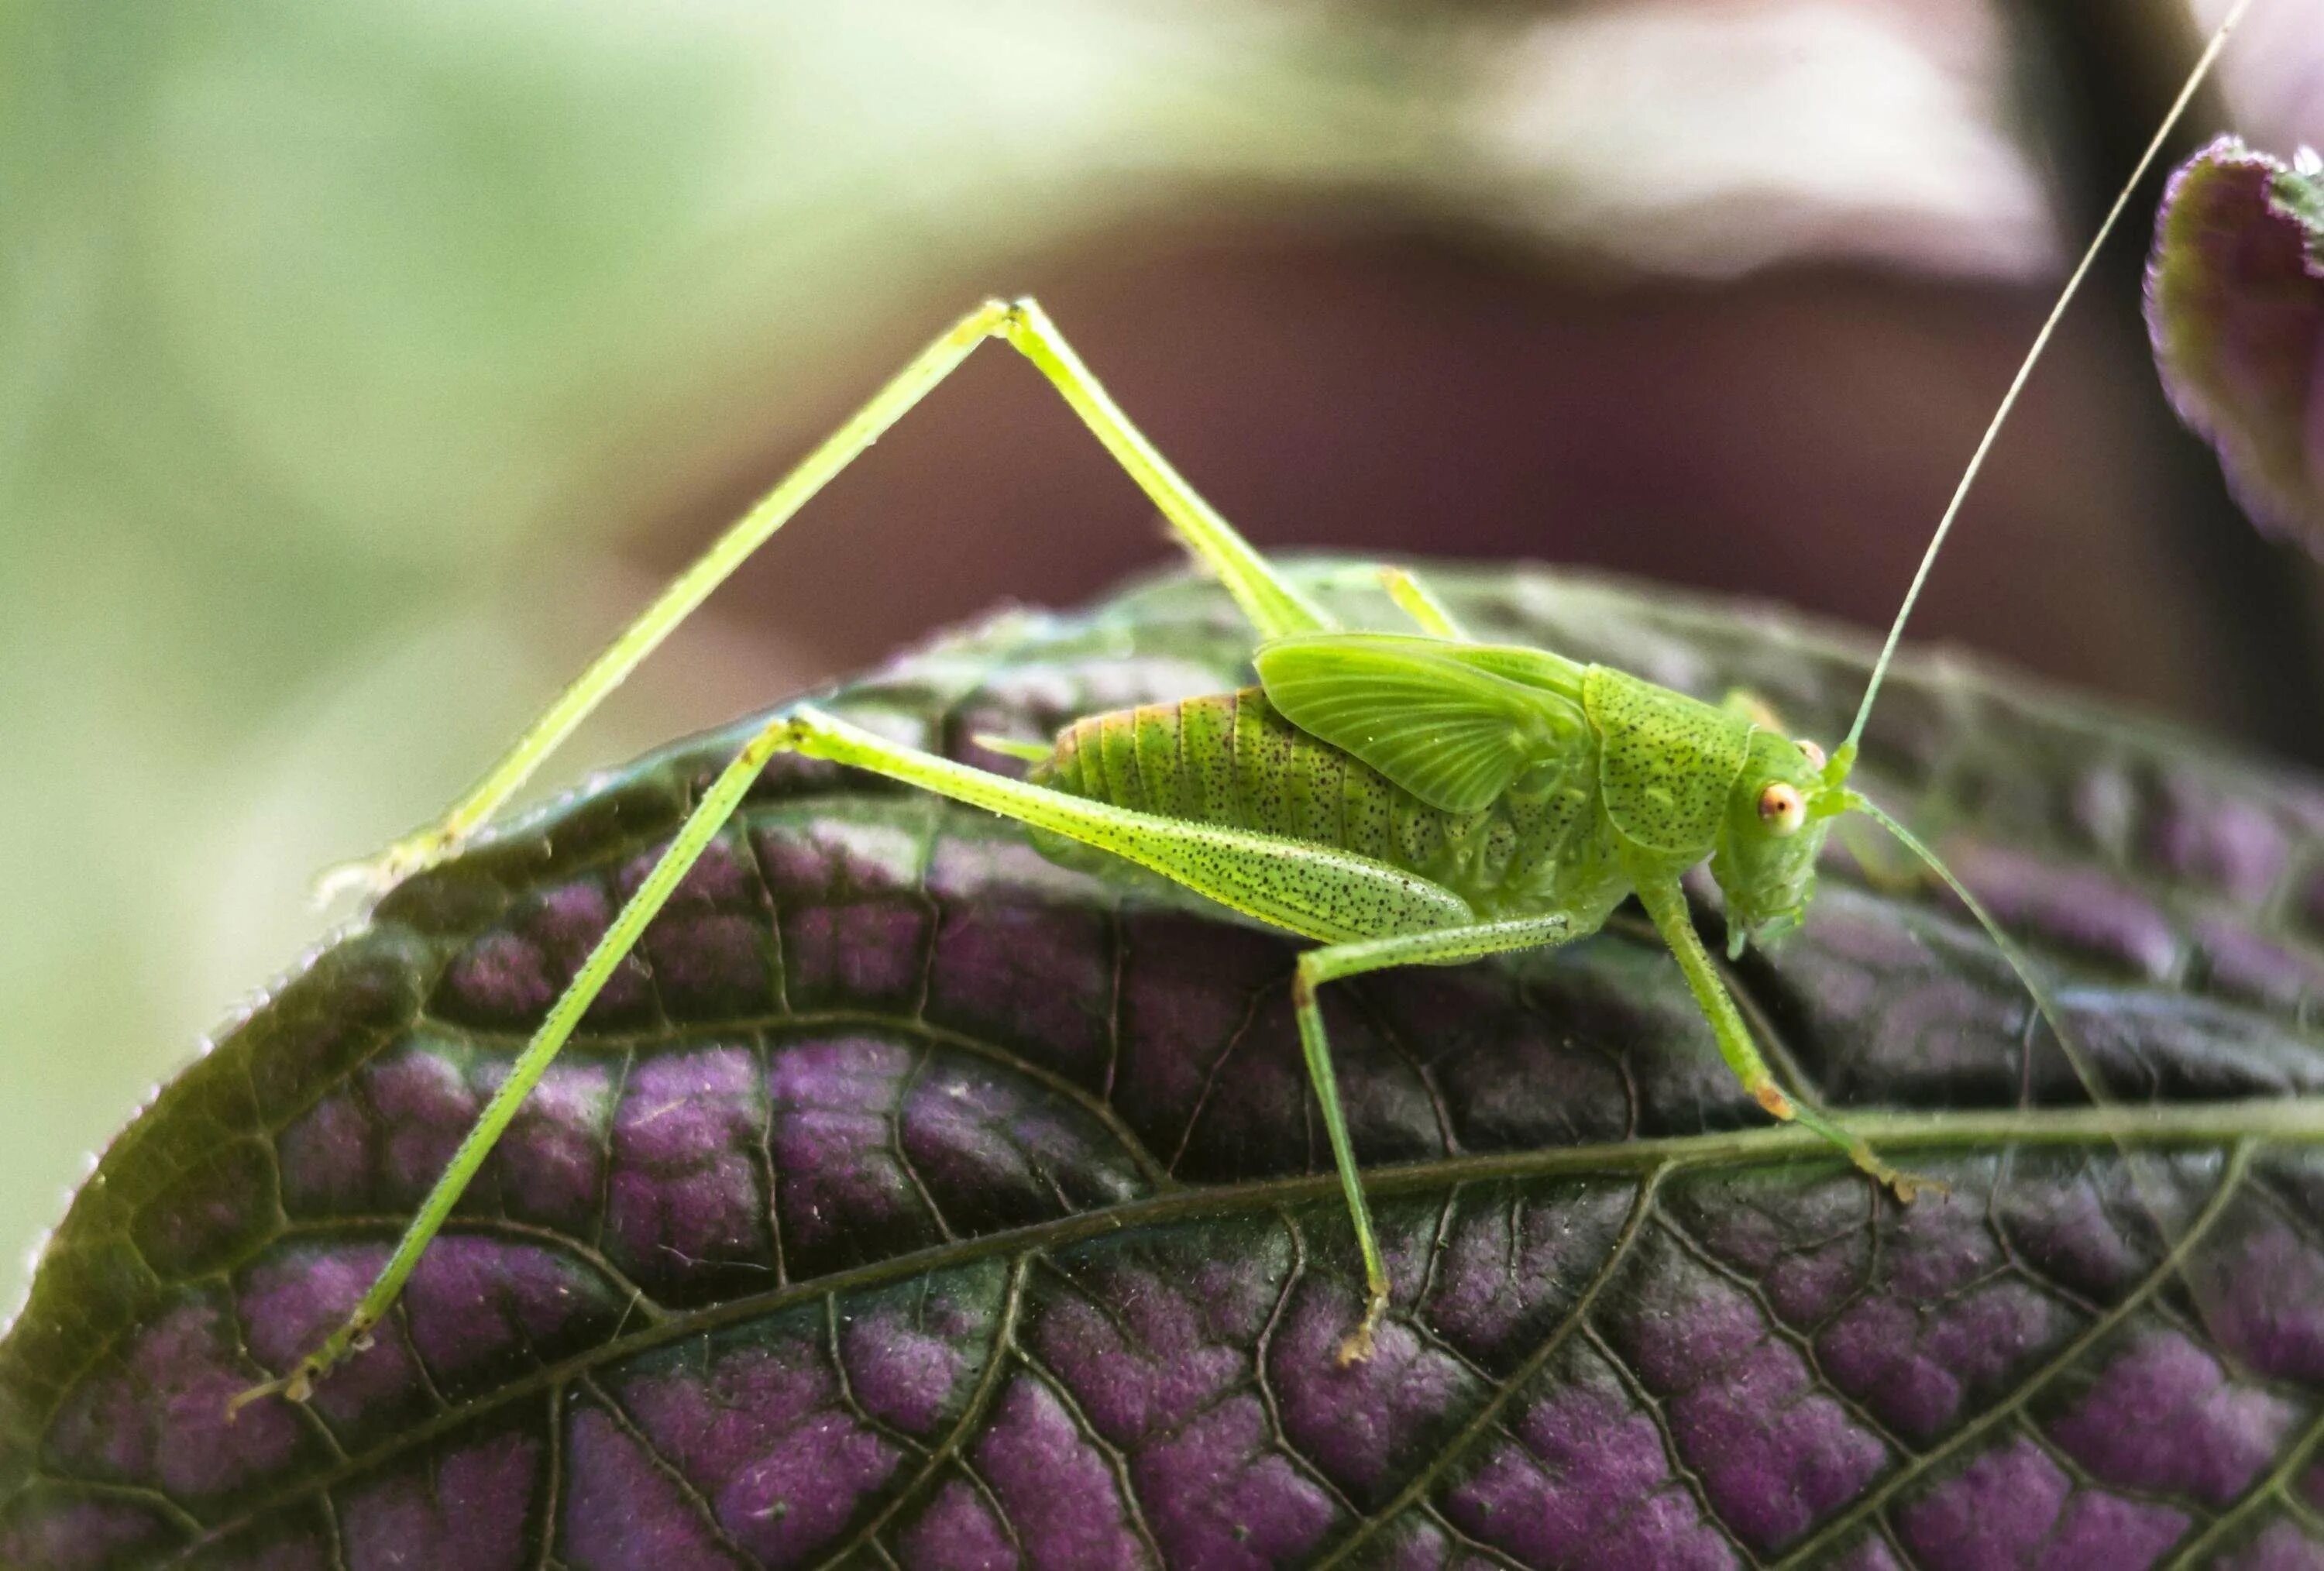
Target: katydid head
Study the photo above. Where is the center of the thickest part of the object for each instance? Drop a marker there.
(1777, 815)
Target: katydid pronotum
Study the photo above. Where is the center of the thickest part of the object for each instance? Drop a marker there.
(1402, 799)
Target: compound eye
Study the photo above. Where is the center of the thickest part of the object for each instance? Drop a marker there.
(1781, 810)
(1813, 753)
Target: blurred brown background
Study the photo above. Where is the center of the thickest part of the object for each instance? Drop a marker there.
(361, 368)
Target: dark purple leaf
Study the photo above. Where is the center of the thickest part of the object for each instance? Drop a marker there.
(2235, 302)
(917, 1202)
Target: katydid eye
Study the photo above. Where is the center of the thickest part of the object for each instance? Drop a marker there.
(1811, 751)
(1781, 810)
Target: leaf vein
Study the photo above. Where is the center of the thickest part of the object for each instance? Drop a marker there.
(1488, 1416)
(2010, 1406)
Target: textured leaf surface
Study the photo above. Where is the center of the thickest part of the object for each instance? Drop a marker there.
(915, 1202)
(2235, 302)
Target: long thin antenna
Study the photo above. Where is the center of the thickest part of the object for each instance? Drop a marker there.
(2044, 1003)
(1847, 753)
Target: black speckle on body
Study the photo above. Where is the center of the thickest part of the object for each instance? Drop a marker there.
(1231, 760)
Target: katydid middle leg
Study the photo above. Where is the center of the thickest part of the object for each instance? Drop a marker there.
(1441, 947)
(1419, 602)
(1372, 916)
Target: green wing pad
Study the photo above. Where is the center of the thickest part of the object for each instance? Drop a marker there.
(1666, 762)
(1431, 715)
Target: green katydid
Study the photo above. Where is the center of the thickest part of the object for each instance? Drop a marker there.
(1402, 799)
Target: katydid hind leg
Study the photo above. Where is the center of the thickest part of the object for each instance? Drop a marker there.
(1332, 962)
(1314, 890)
(1274, 604)
(629, 924)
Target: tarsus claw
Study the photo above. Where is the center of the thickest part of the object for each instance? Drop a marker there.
(1357, 1346)
(376, 876)
(295, 1387)
(1909, 1187)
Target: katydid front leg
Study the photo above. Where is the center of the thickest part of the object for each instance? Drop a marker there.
(1665, 903)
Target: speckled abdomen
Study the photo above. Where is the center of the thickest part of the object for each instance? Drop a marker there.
(1232, 759)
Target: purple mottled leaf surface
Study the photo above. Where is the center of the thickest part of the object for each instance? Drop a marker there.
(2235, 304)
(911, 1201)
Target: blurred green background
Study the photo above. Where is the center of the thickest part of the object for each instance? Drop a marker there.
(361, 367)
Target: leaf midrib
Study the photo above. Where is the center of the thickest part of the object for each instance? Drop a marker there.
(2272, 1121)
